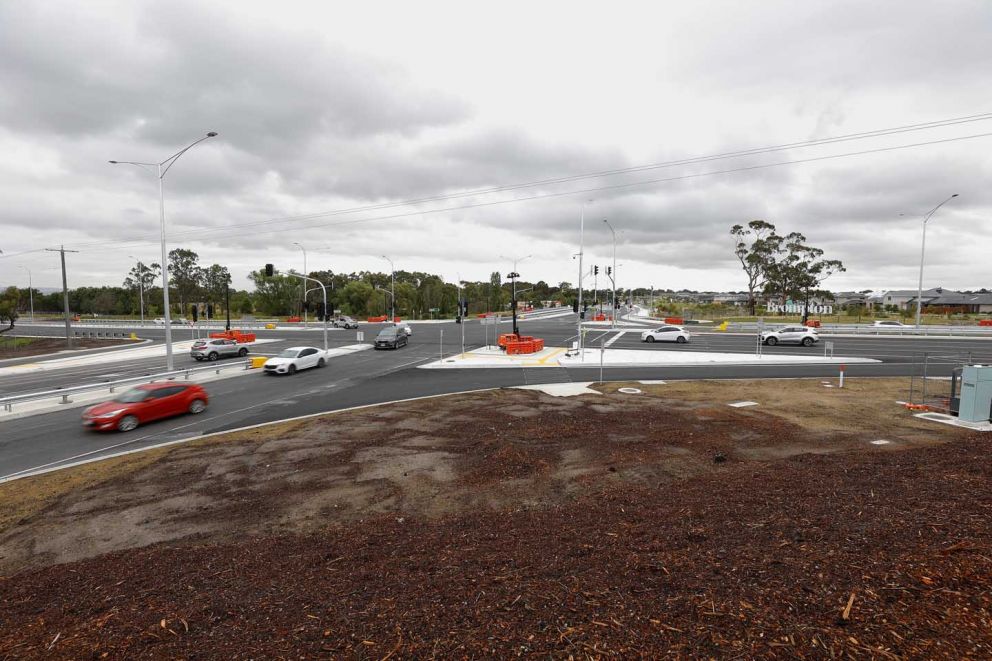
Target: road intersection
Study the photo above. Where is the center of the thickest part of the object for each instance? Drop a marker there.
(371, 377)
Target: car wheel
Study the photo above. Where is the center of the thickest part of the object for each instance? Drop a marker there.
(807, 341)
(680, 340)
(197, 406)
(650, 339)
(242, 352)
(321, 363)
(291, 370)
(127, 423)
(212, 356)
(771, 341)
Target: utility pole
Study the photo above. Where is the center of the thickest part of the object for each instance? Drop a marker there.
(227, 304)
(30, 292)
(65, 294)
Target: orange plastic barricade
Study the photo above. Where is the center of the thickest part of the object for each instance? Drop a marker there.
(507, 338)
(674, 320)
(813, 323)
(599, 317)
(985, 322)
(294, 320)
(377, 320)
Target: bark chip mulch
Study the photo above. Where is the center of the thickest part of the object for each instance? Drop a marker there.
(850, 555)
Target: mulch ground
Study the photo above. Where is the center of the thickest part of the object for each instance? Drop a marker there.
(857, 555)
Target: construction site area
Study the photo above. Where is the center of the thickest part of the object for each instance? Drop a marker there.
(786, 518)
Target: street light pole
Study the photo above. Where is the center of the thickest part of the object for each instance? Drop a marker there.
(30, 292)
(303, 284)
(307, 279)
(578, 323)
(160, 173)
(613, 280)
(513, 278)
(923, 247)
(392, 298)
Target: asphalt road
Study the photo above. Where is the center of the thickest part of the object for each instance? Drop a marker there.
(371, 377)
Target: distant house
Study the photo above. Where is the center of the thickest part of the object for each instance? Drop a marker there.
(955, 303)
(901, 297)
(731, 299)
(845, 298)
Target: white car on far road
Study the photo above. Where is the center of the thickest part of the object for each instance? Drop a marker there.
(791, 335)
(290, 360)
(889, 324)
(666, 334)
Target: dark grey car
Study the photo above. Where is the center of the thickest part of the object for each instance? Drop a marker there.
(391, 338)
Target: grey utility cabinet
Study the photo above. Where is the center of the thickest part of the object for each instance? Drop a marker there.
(976, 394)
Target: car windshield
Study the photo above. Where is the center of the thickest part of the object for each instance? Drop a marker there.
(287, 353)
(131, 396)
(387, 332)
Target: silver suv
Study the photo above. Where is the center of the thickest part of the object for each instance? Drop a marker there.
(791, 335)
(344, 322)
(213, 349)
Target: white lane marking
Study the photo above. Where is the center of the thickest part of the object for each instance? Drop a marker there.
(615, 338)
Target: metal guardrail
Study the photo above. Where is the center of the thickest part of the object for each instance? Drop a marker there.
(65, 393)
(860, 329)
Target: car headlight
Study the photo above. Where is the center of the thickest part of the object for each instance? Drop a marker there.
(111, 414)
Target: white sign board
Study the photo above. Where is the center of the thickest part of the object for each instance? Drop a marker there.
(361, 336)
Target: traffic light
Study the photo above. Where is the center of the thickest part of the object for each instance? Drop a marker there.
(609, 270)
(269, 270)
(194, 312)
(210, 310)
(575, 305)
(595, 270)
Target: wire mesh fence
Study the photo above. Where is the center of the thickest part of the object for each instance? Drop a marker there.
(933, 382)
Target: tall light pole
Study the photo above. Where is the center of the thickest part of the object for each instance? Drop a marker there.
(305, 280)
(141, 288)
(30, 292)
(161, 169)
(582, 229)
(513, 277)
(613, 279)
(392, 297)
(923, 248)
(304, 283)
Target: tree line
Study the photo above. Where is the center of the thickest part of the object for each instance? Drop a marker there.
(359, 294)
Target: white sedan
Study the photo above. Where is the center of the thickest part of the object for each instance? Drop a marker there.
(666, 334)
(290, 360)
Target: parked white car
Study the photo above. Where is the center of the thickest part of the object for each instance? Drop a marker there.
(666, 334)
(791, 335)
(405, 327)
(293, 359)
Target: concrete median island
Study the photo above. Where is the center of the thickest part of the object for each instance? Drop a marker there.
(490, 357)
(654, 520)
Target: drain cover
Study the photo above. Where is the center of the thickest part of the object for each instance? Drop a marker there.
(630, 391)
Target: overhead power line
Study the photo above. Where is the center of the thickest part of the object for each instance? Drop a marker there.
(299, 220)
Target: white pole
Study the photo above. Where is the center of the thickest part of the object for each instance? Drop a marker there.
(923, 247)
(578, 323)
(165, 275)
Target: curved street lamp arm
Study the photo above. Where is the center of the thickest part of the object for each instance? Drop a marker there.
(175, 157)
(934, 210)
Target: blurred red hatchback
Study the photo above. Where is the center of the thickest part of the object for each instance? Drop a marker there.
(145, 403)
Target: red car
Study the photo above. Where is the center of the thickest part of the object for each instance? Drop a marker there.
(145, 403)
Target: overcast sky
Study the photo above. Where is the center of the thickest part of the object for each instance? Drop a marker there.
(336, 120)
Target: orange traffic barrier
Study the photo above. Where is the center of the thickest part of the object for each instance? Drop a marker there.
(377, 320)
(917, 407)
(674, 320)
(813, 323)
(985, 322)
(294, 320)
(507, 338)
(599, 317)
